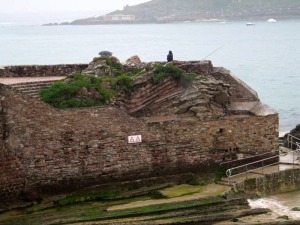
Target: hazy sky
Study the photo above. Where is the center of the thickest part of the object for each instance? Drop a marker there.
(15, 6)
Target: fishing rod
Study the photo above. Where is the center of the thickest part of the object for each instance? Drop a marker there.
(213, 52)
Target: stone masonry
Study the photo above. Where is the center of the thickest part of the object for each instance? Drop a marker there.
(184, 129)
(41, 70)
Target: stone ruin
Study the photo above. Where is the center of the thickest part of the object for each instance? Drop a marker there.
(184, 129)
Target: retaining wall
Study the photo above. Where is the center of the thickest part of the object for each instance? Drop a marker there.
(41, 70)
(279, 182)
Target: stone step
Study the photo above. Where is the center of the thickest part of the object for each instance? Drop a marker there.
(24, 88)
(224, 181)
(32, 88)
(32, 83)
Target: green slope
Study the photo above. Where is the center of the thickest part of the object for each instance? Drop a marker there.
(198, 9)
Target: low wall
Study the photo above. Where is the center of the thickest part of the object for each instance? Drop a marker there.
(41, 70)
(279, 182)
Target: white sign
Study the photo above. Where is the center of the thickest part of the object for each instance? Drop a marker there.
(134, 139)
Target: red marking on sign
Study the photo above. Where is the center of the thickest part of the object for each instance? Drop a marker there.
(135, 139)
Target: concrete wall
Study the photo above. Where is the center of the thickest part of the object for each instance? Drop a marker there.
(278, 182)
(50, 151)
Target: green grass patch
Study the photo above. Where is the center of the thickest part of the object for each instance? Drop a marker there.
(157, 208)
(181, 190)
(101, 196)
(162, 72)
(85, 91)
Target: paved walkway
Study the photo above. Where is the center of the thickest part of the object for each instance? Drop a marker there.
(288, 160)
(16, 80)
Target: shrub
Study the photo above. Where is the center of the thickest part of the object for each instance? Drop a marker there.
(116, 66)
(67, 93)
(220, 173)
(162, 72)
(193, 181)
(123, 83)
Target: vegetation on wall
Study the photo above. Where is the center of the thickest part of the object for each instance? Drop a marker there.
(117, 67)
(162, 72)
(80, 90)
(85, 90)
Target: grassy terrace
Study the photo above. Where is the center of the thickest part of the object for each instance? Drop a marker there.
(156, 205)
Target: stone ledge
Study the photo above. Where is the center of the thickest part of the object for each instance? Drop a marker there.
(256, 108)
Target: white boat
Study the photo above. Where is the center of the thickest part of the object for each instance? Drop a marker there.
(272, 20)
(250, 24)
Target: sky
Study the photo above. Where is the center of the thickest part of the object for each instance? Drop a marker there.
(14, 11)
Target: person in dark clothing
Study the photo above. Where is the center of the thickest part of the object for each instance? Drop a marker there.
(170, 56)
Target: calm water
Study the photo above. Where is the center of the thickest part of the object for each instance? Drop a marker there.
(265, 56)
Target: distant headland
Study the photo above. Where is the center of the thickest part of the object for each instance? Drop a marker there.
(162, 11)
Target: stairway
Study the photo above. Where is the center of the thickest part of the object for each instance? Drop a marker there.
(32, 88)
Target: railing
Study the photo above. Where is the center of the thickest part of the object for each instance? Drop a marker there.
(244, 159)
(258, 167)
(292, 141)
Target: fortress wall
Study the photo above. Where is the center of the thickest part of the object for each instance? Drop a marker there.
(222, 139)
(50, 151)
(11, 168)
(41, 70)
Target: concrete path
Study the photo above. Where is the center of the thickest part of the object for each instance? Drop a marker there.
(288, 160)
(16, 80)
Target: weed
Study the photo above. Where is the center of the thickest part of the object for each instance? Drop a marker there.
(101, 196)
(220, 172)
(193, 181)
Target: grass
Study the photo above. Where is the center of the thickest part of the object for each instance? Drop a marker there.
(93, 207)
(99, 91)
(181, 190)
(162, 72)
(157, 208)
(101, 196)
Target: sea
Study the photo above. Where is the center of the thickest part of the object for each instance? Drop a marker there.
(266, 55)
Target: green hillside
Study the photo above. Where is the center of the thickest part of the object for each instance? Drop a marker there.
(213, 9)
(197, 10)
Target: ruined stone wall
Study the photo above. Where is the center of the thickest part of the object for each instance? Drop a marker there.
(240, 91)
(50, 150)
(222, 139)
(12, 176)
(41, 70)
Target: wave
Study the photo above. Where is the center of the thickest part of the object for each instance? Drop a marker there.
(274, 206)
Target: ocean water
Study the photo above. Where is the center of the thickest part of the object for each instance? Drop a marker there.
(265, 56)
